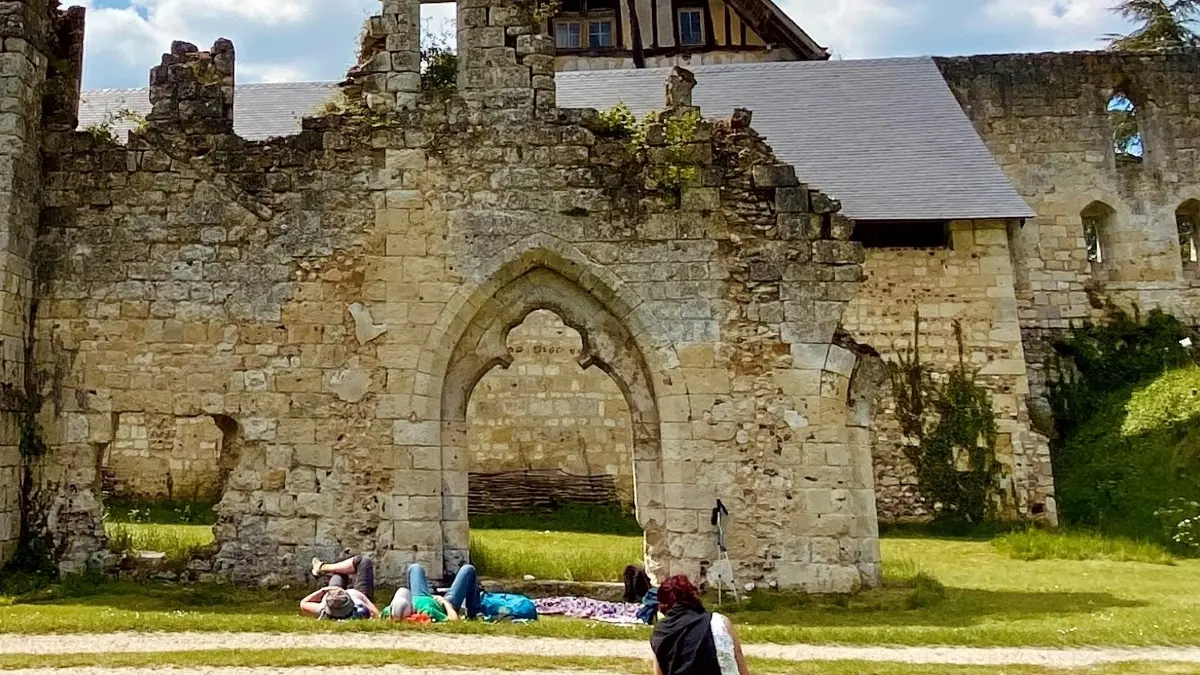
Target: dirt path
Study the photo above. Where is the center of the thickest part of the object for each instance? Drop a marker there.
(479, 644)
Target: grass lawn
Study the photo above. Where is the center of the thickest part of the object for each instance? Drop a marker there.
(450, 662)
(562, 556)
(990, 600)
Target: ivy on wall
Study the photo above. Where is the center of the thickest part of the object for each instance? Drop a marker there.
(950, 433)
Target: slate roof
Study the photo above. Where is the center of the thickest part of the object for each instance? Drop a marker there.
(886, 137)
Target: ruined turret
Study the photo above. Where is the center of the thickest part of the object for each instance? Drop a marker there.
(192, 91)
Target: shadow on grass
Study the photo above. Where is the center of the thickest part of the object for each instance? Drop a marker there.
(888, 607)
(960, 608)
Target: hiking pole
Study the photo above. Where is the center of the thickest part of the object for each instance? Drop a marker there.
(721, 572)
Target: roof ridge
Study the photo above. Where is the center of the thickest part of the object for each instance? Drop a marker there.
(328, 84)
(758, 66)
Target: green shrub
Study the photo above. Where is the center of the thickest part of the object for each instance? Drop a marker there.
(1113, 357)
(1122, 469)
(1043, 545)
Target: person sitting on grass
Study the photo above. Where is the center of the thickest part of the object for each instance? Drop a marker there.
(690, 641)
(348, 595)
(462, 598)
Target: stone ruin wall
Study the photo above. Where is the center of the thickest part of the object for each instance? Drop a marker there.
(1044, 118)
(545, 412)
(331, 299)
(970, 281)
(29, 32)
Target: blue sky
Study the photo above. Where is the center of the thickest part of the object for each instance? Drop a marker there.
(297, 40)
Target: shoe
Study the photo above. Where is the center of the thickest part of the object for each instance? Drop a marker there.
(316, 567)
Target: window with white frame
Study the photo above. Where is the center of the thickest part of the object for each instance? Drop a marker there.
(568, 35)
(600, 33)
(691, 27)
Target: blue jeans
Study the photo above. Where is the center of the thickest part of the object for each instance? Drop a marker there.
(463, 593)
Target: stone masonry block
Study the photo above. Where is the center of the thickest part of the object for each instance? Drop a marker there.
(792, 200)
(775, 175)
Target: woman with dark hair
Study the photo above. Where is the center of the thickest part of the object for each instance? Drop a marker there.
(691, 641)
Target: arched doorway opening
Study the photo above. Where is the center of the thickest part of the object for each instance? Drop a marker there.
(605, 344)
(551, 463)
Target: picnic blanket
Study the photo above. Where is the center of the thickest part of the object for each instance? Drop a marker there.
(587, 608)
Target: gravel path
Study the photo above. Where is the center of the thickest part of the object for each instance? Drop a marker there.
(354, 670)
(482, 644)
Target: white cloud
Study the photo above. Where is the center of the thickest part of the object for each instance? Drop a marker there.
(275, 39)
(1051, 14)
(1074, 24)
(852, 28)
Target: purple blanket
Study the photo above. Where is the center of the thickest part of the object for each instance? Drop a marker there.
(587, 608)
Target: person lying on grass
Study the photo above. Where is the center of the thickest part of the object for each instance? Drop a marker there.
(349, 593)
(462, 598)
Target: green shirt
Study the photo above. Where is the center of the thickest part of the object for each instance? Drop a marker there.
(425, 604)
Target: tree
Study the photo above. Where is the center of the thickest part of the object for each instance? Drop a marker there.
(1163, 24)
(439, 57)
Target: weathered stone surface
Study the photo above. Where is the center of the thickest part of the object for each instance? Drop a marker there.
(201, 276)
(365, 328)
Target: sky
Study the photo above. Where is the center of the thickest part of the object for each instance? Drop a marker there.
(307, 40)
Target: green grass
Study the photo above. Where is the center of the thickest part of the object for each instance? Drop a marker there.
(989, 600)
(165, 513)
(561, 556)
(292, 658)
(1042, 545)
(1120, 468)
(179, 542)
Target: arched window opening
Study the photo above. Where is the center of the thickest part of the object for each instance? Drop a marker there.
(1187, 223)
(1097, 218)
(1127, 132)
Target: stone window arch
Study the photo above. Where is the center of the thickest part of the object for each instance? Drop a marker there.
(1097, 220)
(1187, 225)
(607, 344)
(1125, 115)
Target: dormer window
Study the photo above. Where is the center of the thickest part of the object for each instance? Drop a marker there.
(691, 27)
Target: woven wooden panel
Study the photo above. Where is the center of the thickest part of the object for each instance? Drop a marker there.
(533, 491)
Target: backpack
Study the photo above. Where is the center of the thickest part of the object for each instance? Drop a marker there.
(648, 612)
(507, 606)
(636, 583)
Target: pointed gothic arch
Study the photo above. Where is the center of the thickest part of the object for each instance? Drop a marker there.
(607, 344)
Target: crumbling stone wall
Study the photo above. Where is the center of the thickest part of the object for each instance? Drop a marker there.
(40, 62)
(545, 412)
(1044, 117)
(971, 282)
(338, 294)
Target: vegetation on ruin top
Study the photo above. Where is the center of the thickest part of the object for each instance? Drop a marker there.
(940, 592)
